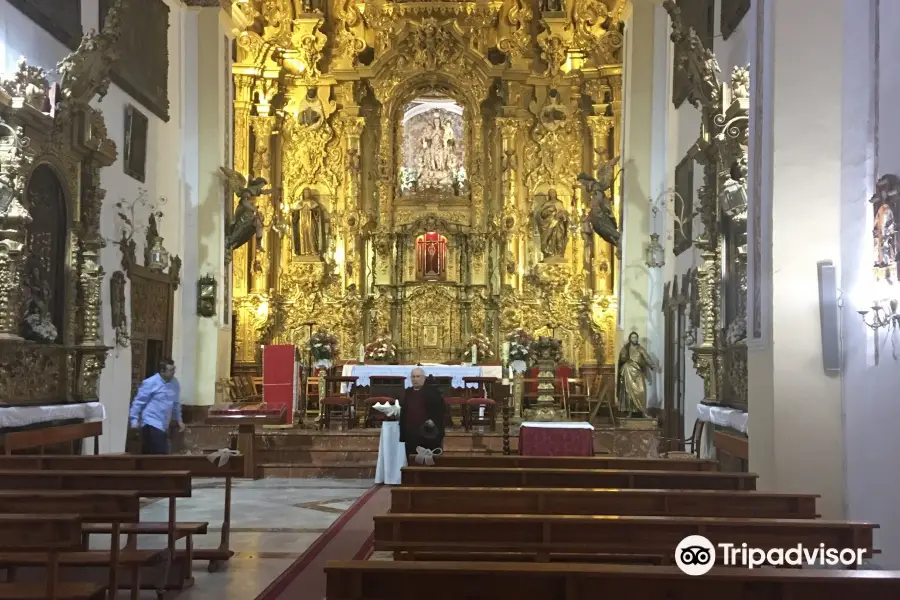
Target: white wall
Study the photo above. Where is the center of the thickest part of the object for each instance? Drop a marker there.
(167, 145)
(871, 149)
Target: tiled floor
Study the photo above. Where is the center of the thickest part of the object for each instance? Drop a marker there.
(273, 522)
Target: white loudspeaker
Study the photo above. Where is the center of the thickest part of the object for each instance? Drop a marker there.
(829, 317)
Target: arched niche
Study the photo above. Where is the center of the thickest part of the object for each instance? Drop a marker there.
(45, 284)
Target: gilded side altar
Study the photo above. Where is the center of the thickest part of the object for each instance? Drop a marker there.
(425, 156)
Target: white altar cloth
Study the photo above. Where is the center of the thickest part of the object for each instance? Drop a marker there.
(557, 425)
(723, 416)
(391, 454)
(20, 416)
(364, 372)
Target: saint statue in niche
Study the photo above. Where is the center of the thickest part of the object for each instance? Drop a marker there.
(432, 152)
(553, 226)
(308, 226)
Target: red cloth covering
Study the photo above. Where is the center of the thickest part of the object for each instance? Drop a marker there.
(414, 414)
(547, 441)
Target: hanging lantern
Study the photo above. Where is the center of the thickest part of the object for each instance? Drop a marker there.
(655, 254)
(159, 256)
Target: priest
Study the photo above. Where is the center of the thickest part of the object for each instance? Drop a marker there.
(421, 415)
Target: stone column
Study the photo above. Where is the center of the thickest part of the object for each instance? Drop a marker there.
(796, 153)
(213, 39)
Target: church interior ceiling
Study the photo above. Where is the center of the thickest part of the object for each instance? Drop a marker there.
(423, 158)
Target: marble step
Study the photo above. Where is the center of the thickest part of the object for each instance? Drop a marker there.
(324, 458)
(356, 470)
(366, 440)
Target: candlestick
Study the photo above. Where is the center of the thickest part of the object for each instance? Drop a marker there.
(505, 352)
(362, 354)
(474, 354)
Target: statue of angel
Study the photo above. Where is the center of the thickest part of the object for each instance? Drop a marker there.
(602, 218)
(246, 221)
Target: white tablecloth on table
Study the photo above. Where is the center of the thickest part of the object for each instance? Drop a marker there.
(557, 425)
(20, 416)
(457, 372)
(723, 416)
(391, 454)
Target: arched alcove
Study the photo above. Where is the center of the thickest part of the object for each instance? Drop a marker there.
(44, 284)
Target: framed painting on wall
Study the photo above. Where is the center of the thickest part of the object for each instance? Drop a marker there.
(684, 205)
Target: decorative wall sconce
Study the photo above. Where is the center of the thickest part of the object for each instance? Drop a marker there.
(655, 253)
(207, 288)
(158, 255)
(733, 198)
(881, 316)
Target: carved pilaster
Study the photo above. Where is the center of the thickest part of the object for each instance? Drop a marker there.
(89, 367)
(12, 243)
(90, 276)
(243, 88)
(603, 255)
(262, 167)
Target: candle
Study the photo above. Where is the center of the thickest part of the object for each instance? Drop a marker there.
(505, 352)
(474, 354)
(362, 354)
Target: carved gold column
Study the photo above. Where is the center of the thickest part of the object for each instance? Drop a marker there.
(600, 127)
(509, 161)
(12, 242)
(262, 126)
(243, 91)
(353, 128)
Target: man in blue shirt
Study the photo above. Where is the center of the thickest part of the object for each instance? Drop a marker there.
(157, 401)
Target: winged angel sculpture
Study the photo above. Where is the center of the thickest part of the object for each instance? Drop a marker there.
(602, 218)
(246, 221)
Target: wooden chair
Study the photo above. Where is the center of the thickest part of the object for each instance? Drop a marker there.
(690, 447)
(342, 406)
(463, 404)
(482, 411)
(577, 394)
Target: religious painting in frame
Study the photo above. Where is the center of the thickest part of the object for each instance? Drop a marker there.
(59, 18)
(733, 12)
(699, 15)
(135, 147)
(430, 336)
(683, 205)
(142, 70)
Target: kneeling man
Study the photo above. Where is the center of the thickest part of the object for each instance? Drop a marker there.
(421, 415)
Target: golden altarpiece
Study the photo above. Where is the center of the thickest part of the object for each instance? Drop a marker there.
(52, 147)
(424, 157)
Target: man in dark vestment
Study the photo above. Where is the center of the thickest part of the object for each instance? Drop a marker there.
(421, 415)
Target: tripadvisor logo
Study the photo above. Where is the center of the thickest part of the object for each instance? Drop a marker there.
(696, 555)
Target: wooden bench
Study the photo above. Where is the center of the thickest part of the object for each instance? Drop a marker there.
(581, 478)
(196, 465)
(147, 484)
(538, 537)
(581, 501)
(50, 535)
(573, 462)
(362, 580)
(112, 508)
(47, 436)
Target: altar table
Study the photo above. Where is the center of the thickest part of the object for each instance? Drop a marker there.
(457, 372)
(22, 416)
(556, 439)
(391, 454)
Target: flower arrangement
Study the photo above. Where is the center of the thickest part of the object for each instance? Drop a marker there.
(519, 354)
(323, 346)
(483, 349)
(547, 348)
(382, 350)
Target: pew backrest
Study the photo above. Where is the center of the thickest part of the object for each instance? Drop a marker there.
(39, 533)
(91, 506)
(196, 464)
(47, 436)
(149, 484)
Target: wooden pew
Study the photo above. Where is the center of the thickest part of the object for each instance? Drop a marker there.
(539, 537)
(362, 580)
(582, 501)
(47, 436)
(582, 478)
(148, 484)
(112, 508)
(494, 461)
(197, 465)
(51, 535)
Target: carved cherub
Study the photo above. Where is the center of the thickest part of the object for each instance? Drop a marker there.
(602, 218)
(246, 222)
